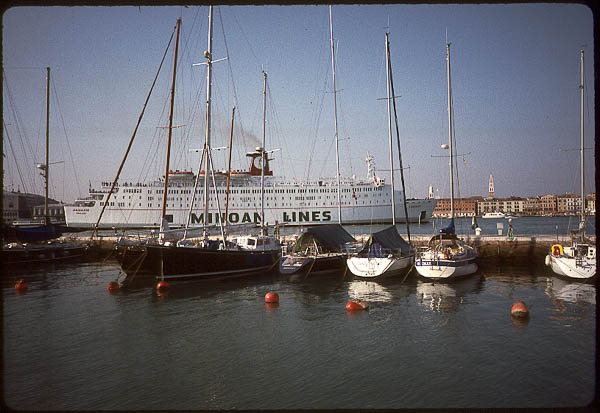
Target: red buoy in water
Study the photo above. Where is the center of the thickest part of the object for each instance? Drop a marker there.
(163, 285)
(356, 306)
(271, 298)
(113, 286)
(519, 309)
(21, 285)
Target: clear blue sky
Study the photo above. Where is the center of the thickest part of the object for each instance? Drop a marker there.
(515, 78)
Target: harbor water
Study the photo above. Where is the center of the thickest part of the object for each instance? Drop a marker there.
(69, 344)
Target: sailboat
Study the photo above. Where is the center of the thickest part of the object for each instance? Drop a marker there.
(322, 249)
(41, 231)
(385, 253)
(37, 240)
(172, 259)
(446, 256)
(577, 261)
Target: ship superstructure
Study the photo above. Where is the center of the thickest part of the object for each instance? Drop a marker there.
(287, 201)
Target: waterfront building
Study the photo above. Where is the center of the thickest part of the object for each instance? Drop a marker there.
(19, 205)
(548, 204)
(56, 213)
(590, 203)
(533, 205)
(568, 204)
(511, 205)
(10, 210)
(463, 207)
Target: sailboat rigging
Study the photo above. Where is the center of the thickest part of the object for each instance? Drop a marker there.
(324, 249)
(38, 241)
(207, 259)
(577, 261)
(446, 256)
(386, 253)
(35, 232)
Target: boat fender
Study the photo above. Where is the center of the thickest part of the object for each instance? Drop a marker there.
(557, 250)
(548, 260)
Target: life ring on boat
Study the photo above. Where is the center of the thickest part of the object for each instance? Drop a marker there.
(557, 250)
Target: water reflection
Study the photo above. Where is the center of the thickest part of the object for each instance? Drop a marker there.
(447, 296)
(368, 291)
(210, 289)
(519, 322)
(561, 290)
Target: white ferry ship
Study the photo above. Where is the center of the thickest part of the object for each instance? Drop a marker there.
(287, 202)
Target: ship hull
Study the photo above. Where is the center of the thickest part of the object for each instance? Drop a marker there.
(419, 211)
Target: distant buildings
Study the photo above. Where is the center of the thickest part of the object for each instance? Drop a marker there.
(463, 207)
(20, 206)
(544, 205)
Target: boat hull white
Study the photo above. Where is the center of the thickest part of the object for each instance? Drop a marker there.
(572, 267)
(445, 269)
(374, 267)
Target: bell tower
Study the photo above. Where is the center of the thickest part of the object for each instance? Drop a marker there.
(491, 195)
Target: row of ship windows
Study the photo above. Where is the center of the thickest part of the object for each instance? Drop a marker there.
(233, 205)
(257, 191)
(245, 199)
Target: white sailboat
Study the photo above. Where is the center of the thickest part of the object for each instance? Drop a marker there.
(577, 261)
(447, 256)
(385, 253)
(324, 249)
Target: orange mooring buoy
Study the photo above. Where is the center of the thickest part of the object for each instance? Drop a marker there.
(21, 285)
(271, 298)
(162, 285)
(355, 306)
(113, 286)
(519, 309)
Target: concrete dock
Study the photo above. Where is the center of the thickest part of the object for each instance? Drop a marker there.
(493, 250)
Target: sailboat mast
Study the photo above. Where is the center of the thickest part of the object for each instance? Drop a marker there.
(262, 167)
(229, 168)
(450, 133)
(337, 150)
(208, 55)
(47, 169)
(393, 95)
(389, 101)
(582, 143)
(170, 130)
